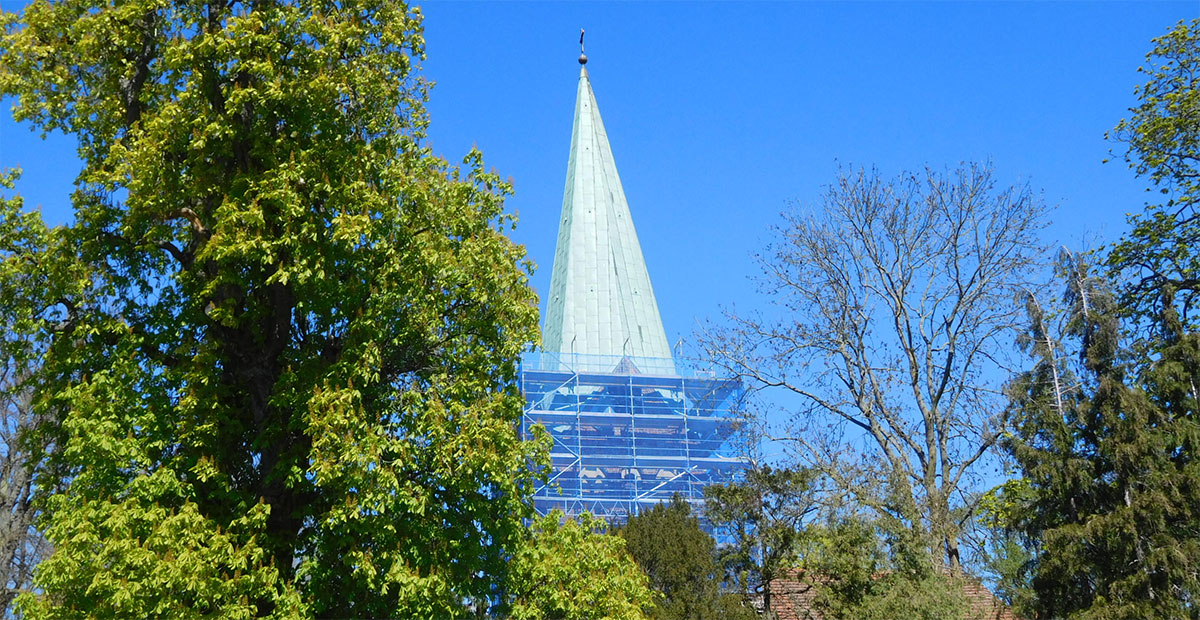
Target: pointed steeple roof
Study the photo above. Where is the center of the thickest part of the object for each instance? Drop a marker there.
(601, 302)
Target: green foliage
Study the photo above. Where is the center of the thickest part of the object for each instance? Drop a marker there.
(23, 242)
(1007, 560)
(667, 543)
(1006, 555)
(573, 570)
(1114, 465)
(28, 282)
(1112, 507)
(1108, 433)
(764, 514)
(280, 337)
(860, 577)
(1163, 138)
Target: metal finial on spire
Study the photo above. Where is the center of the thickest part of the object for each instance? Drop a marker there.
(582, 56)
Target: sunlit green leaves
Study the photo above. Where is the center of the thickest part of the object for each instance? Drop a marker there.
(286, 384)
(1163, 138)
(572, 570)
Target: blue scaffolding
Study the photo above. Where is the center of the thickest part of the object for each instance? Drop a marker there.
(628, 432)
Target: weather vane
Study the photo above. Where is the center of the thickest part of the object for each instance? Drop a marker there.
(582, 56)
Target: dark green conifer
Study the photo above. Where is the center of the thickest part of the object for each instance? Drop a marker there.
(680, 558)
(1109, 456)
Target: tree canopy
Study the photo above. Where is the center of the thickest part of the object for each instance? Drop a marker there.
(1162, 136)
(864, 570)
(280, 337)
(573, 570)
(1109, 502)
(1108, 417)
(764, 516)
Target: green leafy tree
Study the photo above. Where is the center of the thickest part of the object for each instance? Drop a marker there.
(1005, 560)
(1110, 503)
(1163, 139)
(1007, 554)
(1109, 431)
(280, 337)
(667, 543)
(573, 570)
(865, 572)
(764, 514)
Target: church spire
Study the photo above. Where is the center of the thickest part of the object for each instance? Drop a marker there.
(601, 302)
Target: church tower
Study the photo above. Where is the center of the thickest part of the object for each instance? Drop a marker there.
(631, 427)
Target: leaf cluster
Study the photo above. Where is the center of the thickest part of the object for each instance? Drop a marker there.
(23, 243)
(863, 572)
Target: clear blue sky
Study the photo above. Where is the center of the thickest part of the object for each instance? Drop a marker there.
(721, 113)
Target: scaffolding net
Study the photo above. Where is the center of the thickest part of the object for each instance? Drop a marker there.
(629, 432)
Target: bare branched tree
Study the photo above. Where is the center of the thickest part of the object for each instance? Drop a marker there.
(897, 307)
